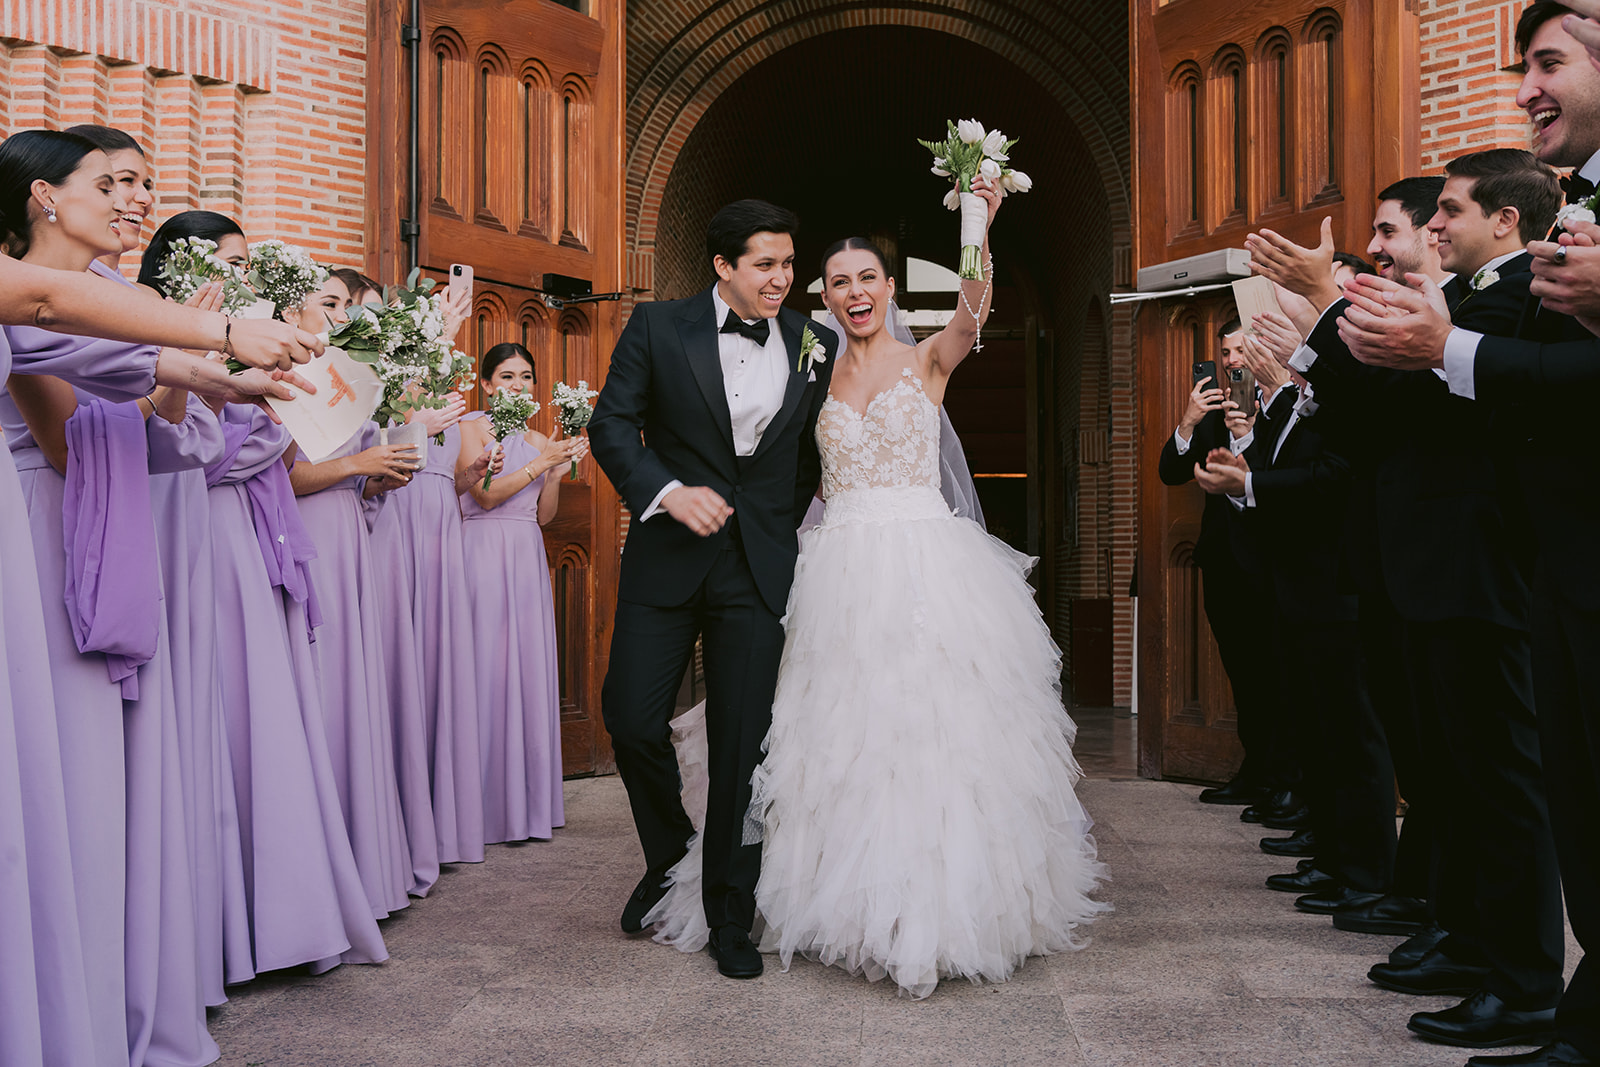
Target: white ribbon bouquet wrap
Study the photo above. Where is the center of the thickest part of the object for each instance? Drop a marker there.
(968, 151)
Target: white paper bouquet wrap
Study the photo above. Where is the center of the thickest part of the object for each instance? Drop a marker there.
(968, 152)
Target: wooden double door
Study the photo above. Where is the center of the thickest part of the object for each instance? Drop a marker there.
(518, 132)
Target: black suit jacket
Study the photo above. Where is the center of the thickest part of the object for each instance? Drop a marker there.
(1223, 547)
(1546, 377)
(663, 415)
(1446, 527)
(1301, 496)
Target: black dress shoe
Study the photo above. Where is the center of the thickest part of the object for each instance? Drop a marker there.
(1297, 820)
(1301, 843)
(1559, 1054)
(646, 895)
(1435, 974)
(1483, 1020)
(1306, 864)
(1330, 900)
(735, 953)
(1235, 792)
(1418, 945)
(1388, 914)
(1307, 881)
(1281, 803)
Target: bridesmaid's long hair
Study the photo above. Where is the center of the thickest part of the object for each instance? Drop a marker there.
(108, 139)
(206, 224)
(27, 157)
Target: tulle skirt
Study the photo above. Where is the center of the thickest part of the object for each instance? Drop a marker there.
(916, 801)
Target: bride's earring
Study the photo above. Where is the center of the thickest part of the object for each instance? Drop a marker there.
(50, 213)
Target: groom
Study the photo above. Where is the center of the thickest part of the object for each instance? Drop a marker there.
(706, 427)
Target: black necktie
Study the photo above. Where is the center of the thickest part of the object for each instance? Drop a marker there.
(1578, 187)
(757, 331)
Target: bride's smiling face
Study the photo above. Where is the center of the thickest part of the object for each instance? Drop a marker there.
(857, 289)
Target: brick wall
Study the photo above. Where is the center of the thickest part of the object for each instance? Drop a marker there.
(254, 108)
(1468, 101)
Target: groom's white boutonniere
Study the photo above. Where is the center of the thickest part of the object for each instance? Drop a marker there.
(811, 351)
(1484, 278)
(1583, 211)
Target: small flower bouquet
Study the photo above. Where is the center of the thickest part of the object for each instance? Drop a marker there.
(573, 409)
(403, 341)
(284, 274)
(967, 151)
(192, 263)
(509, 412)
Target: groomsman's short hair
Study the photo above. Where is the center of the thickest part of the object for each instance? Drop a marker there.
(1354, 262)
(1232, 326)
(1418, 197)
(731, 228)
(1512, 177)
(1535, 15)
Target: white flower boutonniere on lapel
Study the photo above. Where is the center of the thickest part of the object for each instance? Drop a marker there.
(1583, 211)
(1483, 279)
(811, 351)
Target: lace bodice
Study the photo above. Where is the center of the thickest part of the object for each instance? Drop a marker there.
(894, 444)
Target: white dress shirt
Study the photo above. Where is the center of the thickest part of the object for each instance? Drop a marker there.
(1461, 347)
(754, 378)
(1304, 406)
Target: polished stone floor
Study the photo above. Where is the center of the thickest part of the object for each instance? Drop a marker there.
(518, 960)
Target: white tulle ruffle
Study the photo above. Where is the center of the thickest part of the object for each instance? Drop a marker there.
(917, 796)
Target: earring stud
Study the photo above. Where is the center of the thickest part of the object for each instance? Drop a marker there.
(50, 213)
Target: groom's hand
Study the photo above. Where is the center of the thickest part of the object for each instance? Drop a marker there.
(699, 508)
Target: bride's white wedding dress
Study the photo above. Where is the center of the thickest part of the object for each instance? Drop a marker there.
(916, 800)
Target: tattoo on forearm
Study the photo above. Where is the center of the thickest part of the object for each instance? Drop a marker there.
(194, 374)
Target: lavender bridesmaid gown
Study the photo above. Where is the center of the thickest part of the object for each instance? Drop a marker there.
(355, 691)
(418, 541)
(88, 708)
(304, 892)
(514, 625)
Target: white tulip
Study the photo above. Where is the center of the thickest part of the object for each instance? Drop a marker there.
(970, 131)
(1020, 182)
(952, 199)
(994, 144)
(938, 168)
(989, 169)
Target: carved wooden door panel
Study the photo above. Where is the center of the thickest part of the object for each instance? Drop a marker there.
(519, 135)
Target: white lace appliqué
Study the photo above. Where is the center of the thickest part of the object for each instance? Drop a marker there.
(894, 443)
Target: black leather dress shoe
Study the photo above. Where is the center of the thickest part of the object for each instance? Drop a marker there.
(1483, 1020)
(646, 895)
(1301, 843)
(1306, 864)
(1559, 1054)
(1388, 914)
(1330, 900)
(1418, 945)
(1305, 881)
(1235, 792)
(735, 953)
(1281, 803)
(1435, 974)
(1297, 820)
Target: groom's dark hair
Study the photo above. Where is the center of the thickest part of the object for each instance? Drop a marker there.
(731, 228)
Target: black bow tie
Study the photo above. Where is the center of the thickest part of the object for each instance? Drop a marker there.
(1578, 187)
(758, 331)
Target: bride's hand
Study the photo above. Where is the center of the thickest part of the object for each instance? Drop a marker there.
(990, 192)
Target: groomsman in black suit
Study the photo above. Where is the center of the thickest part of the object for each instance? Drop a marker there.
(706, 426)
(1232, 583)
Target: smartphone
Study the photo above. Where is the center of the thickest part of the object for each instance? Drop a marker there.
(1242, 389)
(461, 279)
(1206, 368)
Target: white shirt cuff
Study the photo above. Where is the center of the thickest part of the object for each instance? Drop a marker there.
(1181, 441)
(1302, 359)
(1239, 444)
(1460, 351)
(1249, 489)
(655, 505)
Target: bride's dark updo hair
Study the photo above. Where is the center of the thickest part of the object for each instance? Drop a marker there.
(853, 244)
(26, 157)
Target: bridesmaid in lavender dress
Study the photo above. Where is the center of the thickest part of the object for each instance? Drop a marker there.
(428, 619)
(349, 649)
(513, 616)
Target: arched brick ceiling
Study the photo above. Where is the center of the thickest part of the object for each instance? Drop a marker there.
(682, 55)
(828, 128)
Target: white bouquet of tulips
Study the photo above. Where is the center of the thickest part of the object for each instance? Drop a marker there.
(967, 152)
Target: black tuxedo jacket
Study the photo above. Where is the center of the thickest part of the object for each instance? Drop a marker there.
(1548, 375)
(1301, 497)
(663, 415)
(1224, 546)
(1446, 528)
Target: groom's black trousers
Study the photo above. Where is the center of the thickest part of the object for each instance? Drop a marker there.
(741, 643)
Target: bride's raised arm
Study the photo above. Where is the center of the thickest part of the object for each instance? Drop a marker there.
(950, 345)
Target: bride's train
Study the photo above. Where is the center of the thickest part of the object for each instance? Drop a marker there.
(917, 800)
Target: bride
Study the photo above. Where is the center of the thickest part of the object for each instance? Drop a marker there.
(916, 802)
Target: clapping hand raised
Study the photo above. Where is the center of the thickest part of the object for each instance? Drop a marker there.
(1222, 473)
